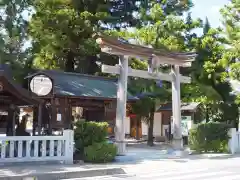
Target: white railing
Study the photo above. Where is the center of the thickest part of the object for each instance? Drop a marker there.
(37, 148)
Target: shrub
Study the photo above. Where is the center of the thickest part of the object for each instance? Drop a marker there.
(88, 133)
(209, 137)
(100, 152)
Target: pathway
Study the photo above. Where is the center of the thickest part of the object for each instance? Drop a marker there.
(201, 169)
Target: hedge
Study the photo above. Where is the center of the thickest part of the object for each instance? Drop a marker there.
(209, 137)
(88, 133)
(91, 144)
(100, 152)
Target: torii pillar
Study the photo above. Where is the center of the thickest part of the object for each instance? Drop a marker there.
(121, 105)
(176, 108)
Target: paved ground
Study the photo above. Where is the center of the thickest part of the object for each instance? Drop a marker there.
(182, 169)
(139, 163)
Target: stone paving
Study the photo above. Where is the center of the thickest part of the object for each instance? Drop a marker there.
(134, 156)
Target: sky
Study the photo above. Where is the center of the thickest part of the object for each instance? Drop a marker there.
(210, 9)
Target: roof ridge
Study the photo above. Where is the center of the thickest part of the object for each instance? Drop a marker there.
(48, 72)
(87, 75)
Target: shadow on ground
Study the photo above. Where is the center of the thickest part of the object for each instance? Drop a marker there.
(139, 153)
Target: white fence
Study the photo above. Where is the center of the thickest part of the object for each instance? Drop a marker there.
(37, 148)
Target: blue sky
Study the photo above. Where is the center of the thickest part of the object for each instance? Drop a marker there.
(210, 9)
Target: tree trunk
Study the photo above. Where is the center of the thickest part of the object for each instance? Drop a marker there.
(69, 64)
(137, 131)
(150, 133)
(150, 128)
(207, 114)
(92, 67)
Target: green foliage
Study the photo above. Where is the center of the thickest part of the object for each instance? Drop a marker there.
(231, 31)
(101, 152)
(209, 137)
(160, 9)
(88, 133)
(13, 36)
(210, 85)
(230, 15)
(90, 140)
(62, 32)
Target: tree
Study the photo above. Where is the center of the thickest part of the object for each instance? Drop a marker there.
(62, 34)
(13, 35)
(230, 57)
(157, 10)
(231, 19)
(62, 31)
(122, 13)
(209, 86)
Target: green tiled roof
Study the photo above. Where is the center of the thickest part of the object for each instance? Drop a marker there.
(81, 85)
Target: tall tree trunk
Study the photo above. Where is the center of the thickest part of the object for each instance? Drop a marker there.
(150, 127)
(92, 67)
(207, 113)
(137, 129)
(150, 133)
(69, 64)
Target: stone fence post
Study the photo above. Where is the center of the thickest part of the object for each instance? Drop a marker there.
(232, 144)
(69, 146)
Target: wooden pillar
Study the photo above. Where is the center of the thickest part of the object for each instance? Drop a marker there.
(67, 116)
(9, 128)
(121, 105)
(53, 115)
(176, 109)
(14, 123)
(39, 120)
(35, 120)
(70, 115)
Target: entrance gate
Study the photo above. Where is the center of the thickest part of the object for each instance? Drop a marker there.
(155, 58)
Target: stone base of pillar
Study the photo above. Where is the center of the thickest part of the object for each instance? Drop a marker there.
(177, 144)
(121, 148)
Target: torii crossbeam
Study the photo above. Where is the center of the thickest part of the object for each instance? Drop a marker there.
(125, 50)
(143, 74)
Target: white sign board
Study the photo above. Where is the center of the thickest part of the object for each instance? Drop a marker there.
(59, 117)
(185, 125)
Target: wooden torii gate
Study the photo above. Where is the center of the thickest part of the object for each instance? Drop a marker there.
(155, 58)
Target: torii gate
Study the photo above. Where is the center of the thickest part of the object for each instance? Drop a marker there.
(125, 50)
